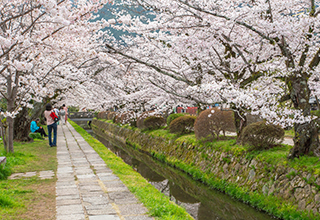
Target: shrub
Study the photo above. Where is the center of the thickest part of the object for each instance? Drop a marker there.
(35, 136)
(117, 118)
(174, 116)
(211, 122)
(103, 115)
(182, 125)
(111, 115)
(154, 122)
(129, 118)
(143, 116)
(261, 135)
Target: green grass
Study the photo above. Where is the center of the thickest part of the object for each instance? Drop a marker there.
(157, 203)
(289, 133)
(17, 197)
(162, 133)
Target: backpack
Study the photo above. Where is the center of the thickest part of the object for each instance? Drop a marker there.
(54, 116)
(62, 112)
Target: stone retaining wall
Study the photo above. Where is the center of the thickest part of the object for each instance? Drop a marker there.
(298, 187)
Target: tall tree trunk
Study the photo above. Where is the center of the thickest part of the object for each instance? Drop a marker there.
(306, 138)
(3, 127)
(9, 134)
(22, 126)
(10, 128)
(240, 121)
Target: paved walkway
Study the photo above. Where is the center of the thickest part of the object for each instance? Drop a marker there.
(86, 187)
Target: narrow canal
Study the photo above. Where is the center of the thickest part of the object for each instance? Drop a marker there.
(200, 201)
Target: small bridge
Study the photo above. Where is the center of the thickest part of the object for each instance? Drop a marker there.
(81, 116)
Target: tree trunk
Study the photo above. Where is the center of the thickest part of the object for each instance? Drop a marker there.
(3, 128)
(240, 121)
(9, 134)
(10, 128)
(22, 126)
(306, 138)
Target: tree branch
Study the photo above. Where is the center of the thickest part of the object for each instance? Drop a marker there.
(159, 70)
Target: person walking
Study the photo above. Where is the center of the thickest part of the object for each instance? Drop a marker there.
(62, 115)
(36, 129)
(66, 110)
(57, 112)
(52, 126)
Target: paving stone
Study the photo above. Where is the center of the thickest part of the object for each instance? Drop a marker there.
(68, 202)
(29, 174)
(121, 195)
(49, 174)
(104, 217)
(69, 209)
(71, 217)
(101, 175)
(15, 176)
(68, 197)
(87, 176)
(100, 210)
(65, 170)
(102, 170)
(116, 183)
(140, 217)
(95, 201)
(65, 183)
(132, 209)
(90, 187)
(84, 171)
(66, 191)
(109, 178)
(96, 207)
(67, 187)
(66, 177)
(125, 201)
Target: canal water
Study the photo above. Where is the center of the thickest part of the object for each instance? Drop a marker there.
(199, 200)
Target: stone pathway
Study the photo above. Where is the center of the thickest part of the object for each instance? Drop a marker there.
(86, 187)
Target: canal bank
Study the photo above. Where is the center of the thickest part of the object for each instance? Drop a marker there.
(278, 189)
(199, 200)
(158, 205)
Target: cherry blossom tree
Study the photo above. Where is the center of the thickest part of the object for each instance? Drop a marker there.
(44, 44)
(251, 54)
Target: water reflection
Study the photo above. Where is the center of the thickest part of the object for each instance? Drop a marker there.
(201, 202)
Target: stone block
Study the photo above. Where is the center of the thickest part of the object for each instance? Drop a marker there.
(132, 209)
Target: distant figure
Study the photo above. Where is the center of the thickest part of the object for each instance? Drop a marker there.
(84, 109)
(57, 112)
(36, 129)
(62, 115)
(52, 126)
(66, 110)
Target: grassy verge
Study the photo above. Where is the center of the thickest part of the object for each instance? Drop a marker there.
(28, 198)
(157, 203)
